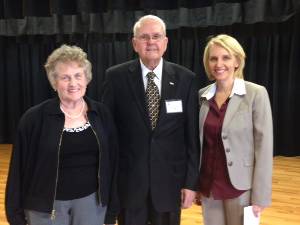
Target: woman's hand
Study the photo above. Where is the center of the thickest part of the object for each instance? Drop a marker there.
(257, 210)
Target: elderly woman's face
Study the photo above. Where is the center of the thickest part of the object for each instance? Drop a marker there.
(222, 64)
(71, 81)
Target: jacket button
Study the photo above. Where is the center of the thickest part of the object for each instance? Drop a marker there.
(230, 163)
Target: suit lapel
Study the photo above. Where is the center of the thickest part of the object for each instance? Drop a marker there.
(137, 88)
(232, 108)
(169, 82)
(169, 86)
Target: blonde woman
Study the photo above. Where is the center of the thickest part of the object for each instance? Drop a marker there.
(236, 137)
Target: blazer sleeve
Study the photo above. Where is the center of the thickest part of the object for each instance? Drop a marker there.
(263, 147)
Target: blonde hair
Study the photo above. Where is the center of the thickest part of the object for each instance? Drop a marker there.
(65, 54)
(232, 46)
(147, 18)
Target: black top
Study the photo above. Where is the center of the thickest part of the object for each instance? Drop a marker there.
(33, 166)
(78, 163)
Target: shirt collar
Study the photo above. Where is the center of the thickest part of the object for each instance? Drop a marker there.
(238, 89)
(157, 70)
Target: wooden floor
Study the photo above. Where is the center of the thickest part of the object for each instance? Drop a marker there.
(285, 209)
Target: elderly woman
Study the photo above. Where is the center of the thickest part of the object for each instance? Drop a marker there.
(236, 135)
(62, 169)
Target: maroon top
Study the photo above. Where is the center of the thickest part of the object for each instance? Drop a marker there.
(214, 174)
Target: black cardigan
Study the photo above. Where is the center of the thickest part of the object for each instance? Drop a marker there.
(32, 173)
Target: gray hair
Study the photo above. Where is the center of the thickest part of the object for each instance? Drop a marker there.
(146, 18)
(65, 54)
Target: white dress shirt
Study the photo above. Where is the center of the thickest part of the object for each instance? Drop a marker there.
(158, 74)
(238, 89)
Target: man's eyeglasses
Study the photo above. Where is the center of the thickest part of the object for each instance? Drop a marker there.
(147, 37)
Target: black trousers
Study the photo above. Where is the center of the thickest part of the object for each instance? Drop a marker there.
(147, 215)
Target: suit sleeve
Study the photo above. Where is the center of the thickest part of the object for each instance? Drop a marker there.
(108, 100)
(192, 137)
(113, 205)
(263, 147)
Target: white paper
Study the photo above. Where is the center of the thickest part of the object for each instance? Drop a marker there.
(174, 106)
(249, 217)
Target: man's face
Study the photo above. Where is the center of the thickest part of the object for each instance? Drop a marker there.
(150, 43)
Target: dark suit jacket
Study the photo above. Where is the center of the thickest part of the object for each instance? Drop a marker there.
(163, 161)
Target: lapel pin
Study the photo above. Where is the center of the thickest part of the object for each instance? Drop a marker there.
(171, 83)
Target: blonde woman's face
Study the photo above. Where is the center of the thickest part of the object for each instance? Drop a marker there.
(70, 82)
(221, 63)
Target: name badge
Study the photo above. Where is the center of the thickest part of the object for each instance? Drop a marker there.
(174, 106)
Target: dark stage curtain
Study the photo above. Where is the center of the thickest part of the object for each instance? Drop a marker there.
(267, 29)
(50, 17)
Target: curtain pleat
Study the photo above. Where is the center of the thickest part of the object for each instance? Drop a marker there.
(68, 16)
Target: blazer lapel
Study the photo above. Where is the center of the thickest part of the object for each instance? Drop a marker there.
(203, 111)
(232, 108)
(204, 108)
(137, 88)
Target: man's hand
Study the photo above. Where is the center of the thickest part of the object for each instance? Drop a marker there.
(197, 200)
(187, 198)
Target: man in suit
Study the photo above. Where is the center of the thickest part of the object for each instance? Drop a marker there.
(158, 158)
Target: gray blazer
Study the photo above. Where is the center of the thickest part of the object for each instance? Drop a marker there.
(247, 136)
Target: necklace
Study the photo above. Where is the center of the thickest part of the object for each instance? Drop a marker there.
(70, 116)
